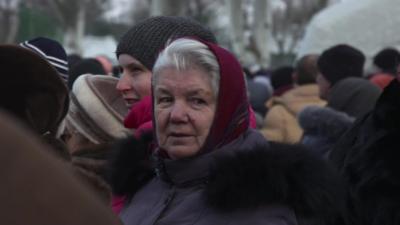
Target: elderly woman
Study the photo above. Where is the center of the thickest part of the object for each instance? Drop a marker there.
(211, 168)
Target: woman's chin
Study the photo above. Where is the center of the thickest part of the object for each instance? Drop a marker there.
(181, 151)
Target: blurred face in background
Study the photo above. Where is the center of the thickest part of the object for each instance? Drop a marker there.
(135, 81)
(74, 140)
(184, 108)
(324, 86)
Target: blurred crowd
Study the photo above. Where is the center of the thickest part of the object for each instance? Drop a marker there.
(178, 132)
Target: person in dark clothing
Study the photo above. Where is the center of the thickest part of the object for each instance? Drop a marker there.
(210, 167)
(323, 127)
(336, 63)
(38, 188)
(282, 80)
(367, 157)
(386, 63)
(387, 60)
(85, 66)
(354, 96)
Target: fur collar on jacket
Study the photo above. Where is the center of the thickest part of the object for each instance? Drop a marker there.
(324, 121)
(280, 174)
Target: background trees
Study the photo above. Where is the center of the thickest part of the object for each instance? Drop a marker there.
(262, 32)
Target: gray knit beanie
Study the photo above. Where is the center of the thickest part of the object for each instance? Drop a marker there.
(147, 38)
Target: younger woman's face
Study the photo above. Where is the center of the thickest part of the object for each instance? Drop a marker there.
(135, 82)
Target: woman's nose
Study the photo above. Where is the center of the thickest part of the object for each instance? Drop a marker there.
(124, 83)
(179, 113)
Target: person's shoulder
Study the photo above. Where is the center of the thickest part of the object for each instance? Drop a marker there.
(276, 174)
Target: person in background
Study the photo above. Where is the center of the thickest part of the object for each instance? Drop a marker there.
(322, 128)
(386, 62)
(85, 66)
(52, 51)
(258, 95)
(33, 91)
(282, 80)
(367, 157)
(73, 59)
(106, 63)
(354, 96)
(210, 167)
(280, 123)
(349, 99)
(336, 63)
(93, 123)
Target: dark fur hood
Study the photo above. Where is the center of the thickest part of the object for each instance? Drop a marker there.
(324, 121)
(269, 174)
(284, 174)
(130, 165)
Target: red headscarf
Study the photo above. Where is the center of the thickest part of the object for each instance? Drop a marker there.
(232, 113)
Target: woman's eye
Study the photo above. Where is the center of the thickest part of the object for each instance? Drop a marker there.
(164, 99)
(135, 69)
(199, 101)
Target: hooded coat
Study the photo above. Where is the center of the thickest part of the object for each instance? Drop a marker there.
(237, 178)
(367, 157)
(280, 123)
(354, 96)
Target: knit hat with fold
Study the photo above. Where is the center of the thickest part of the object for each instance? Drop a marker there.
(341, 61)
(52, 51)
(96, 110)
(147, 38)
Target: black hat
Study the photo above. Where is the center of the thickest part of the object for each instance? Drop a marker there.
(147, 38)
(387, 60)
(50, 50)
(282, 76)
(341, 61)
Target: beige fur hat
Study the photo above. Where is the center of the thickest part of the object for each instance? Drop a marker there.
(97, 109)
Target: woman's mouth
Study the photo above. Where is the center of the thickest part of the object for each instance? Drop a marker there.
(130, 102)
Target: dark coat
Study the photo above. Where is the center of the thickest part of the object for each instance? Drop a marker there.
(367, 157)
(246, 182)
(322, 127)
(37, 188)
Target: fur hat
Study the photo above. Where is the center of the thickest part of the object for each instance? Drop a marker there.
(387, 60)
(341, 61)
(97, 109)
(50, 50)
(32, 90)
(147, 38)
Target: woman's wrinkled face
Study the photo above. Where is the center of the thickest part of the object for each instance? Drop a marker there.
(135, 81)
(184, 109)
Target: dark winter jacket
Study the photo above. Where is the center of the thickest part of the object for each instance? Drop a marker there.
(37, 188)
(323, 127)
(368, 158)
(245, 182)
